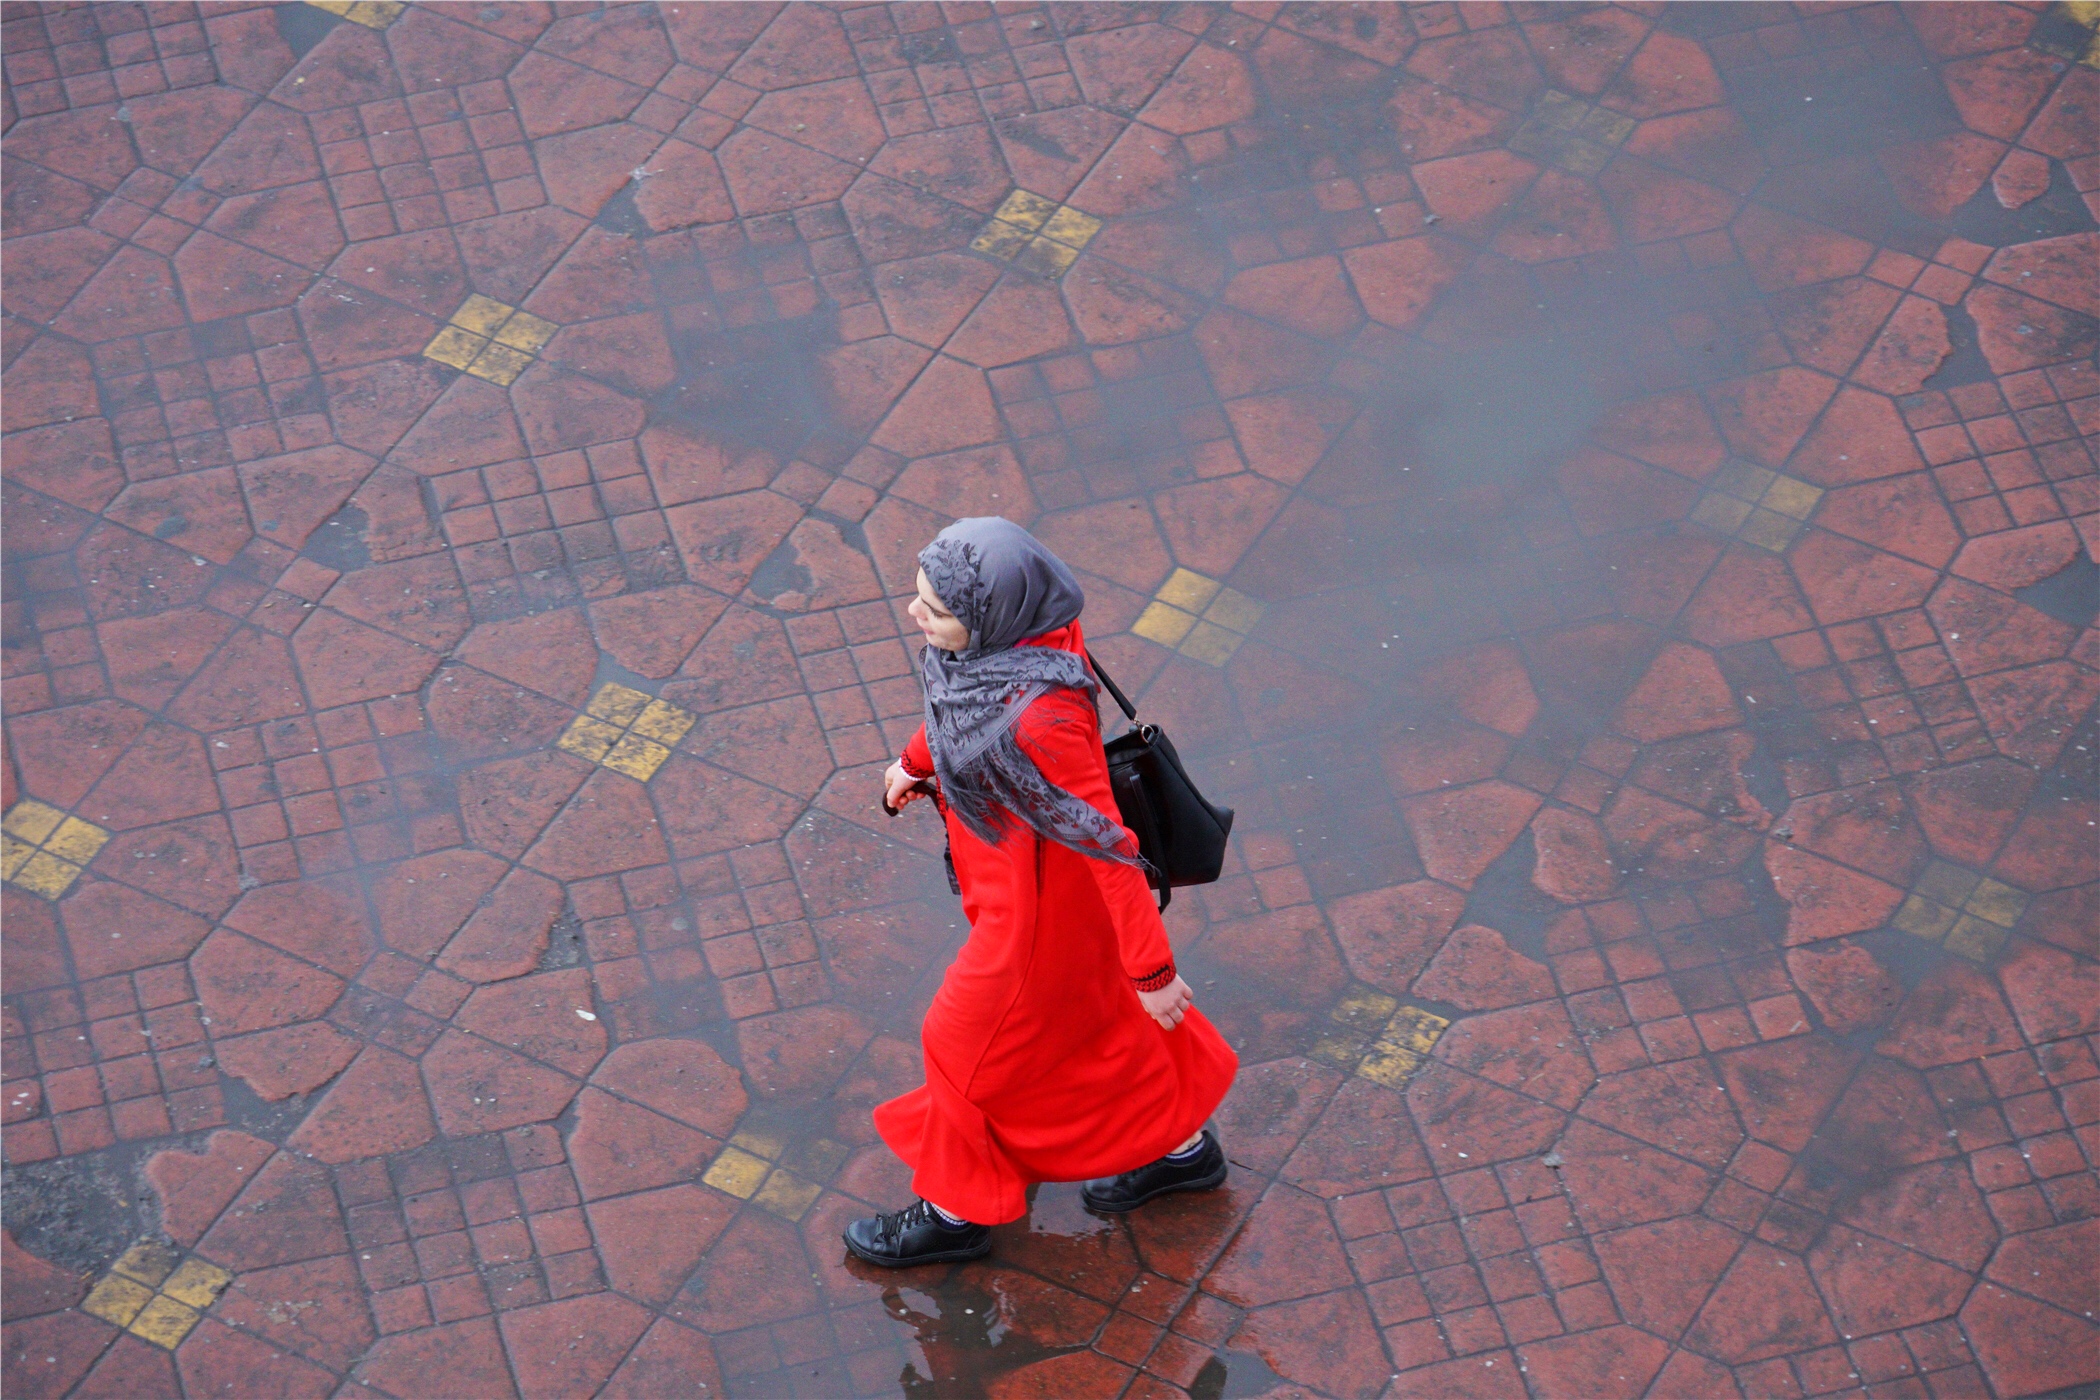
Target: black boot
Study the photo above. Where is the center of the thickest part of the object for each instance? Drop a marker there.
(1117, 1194)
(916, 1235)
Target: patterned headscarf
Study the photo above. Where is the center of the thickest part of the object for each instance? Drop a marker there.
(1004, 586)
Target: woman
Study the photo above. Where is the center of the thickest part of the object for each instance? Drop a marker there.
(1062, 1044)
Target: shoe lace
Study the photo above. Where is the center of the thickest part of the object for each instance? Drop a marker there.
(897, 1222)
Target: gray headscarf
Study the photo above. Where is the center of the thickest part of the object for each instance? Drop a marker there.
(1003, 585)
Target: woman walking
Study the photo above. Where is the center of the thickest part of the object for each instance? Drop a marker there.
(1062, 1044)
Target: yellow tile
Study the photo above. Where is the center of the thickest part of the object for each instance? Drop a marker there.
(1211, 644)
(1557, 109)
(334, 7)
(1002, 240)
(197, 1283)
(1071, 228)
(1025, 210)
(32, 821)
(637, 757)
(589, 739)
(1162, 624)
(1234, 611)
(759, 1143)
(1603, 125)
(1720, 512)
(2000, 904)
(1582, 157)
(1744, 480)
(1390, 1065)
(1045, 258)
(12, 854)
(1364, 1009)
(1923, 918)
(147, 1262)
(1414, 1029)
(2084, 13)
(1768, 529)
(664, 722)
(481, 315)
(47, 875)
(1948, 884)
(618, 703)
(819, 1159)
(117, 1300)
(374, 14)
(455, 347)
(527, 332)
(1975, 939)
(1342, 1052)
(738, 1173)
(1188, 590)
(786, 1195)
(76, 840)
(1793, 497)
(499, 364)
(164, 1322)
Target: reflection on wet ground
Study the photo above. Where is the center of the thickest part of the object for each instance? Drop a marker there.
(1605, 493)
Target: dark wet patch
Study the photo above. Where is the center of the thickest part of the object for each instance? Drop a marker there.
(622, 215)
(80, 1212)
(1965, 362)
(760, 384)
(339, 543)
(2071, 594)
(564, 943)
(966, 1333)
(782, 571)
(303, 26)
(1233, 1375)
(2057, 211)
(1505, 900)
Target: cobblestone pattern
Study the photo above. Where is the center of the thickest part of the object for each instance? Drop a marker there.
(462, 473)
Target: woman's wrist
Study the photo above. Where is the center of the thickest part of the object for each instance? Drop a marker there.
(1157, 978)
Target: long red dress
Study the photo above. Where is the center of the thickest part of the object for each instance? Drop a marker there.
(1041, 1065)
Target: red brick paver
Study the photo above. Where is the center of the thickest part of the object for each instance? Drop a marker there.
(1605, 492)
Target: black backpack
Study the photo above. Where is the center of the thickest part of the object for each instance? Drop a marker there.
(1180, 833)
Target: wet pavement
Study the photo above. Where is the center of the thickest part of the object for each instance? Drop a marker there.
(1605, 493)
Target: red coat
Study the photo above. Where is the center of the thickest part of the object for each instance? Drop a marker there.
(1041, 1064)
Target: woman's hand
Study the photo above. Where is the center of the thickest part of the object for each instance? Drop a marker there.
(899, 787)
(1169, 1004)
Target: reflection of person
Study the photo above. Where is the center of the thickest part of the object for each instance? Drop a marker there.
(1062, 1044)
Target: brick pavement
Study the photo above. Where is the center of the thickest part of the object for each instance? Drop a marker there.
(1604, 491)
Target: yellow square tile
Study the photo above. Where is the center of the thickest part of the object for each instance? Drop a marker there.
(1002, 240)
(12, 854)
(758, 1142)
(2000, 904)
(738, 1173)
(1234, 611)
(589, 739)
(1415, 1029)
(1584, 157)
(1343, 1052)
(374, 14)
(1188, 590)
(164, 1322)
(1947, 884)
(1792, 497)
(1211, 644)
(1025, 210)
(32, 821)
(117, 1300)
(1768, 529)
(499, 364)
(1390, 1065)
(1364, 1010)
(334, 7)
(2085, 13)
(47, 875)
(147, 1262)
(786, 1195)
(1924, 918)
(1744, 480)
(1605, 126)
(620, 704)
(1071, 228)
(1557, 109)
(664, 722)
(1721, 512)
(527, 332)
(196, 1283)
(455, 347)
(637, 757)
(1162, 624)
(1975, 939)
(76, 840)
(482, 315)
(1045, 258)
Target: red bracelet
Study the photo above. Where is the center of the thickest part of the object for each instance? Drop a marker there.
(1153, 981)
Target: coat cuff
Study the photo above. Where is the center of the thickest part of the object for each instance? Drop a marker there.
(904, 760)
(1157, 978)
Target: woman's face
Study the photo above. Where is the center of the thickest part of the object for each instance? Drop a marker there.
(940, 626)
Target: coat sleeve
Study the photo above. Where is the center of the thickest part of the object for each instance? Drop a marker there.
(1062, 736)
(917, 758)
